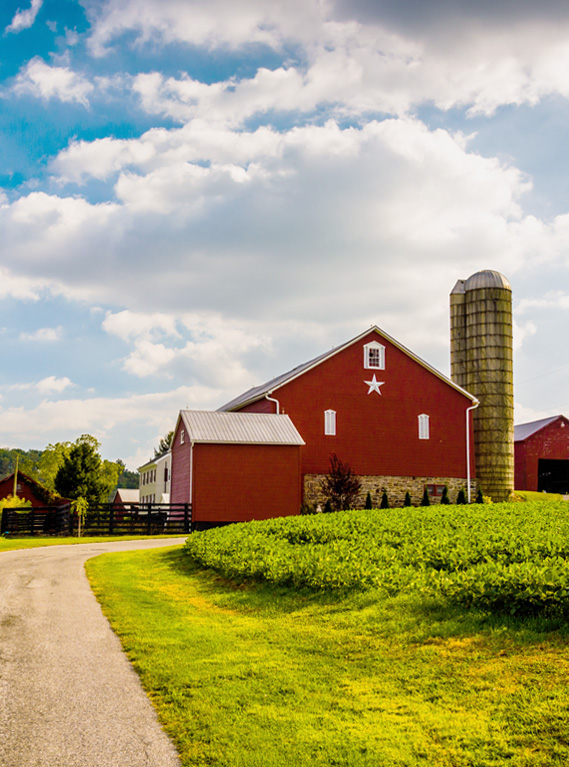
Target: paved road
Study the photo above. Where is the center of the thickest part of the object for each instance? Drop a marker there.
(68, 695)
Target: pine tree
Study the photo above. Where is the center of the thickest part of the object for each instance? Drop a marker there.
(339, 485)
(461, 497)
(384, 501)
(368, 504)
(79, 476)
(444, 498)
(407, 501)
(425, 500)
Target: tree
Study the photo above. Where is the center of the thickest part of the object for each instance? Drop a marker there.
(368, 504)
(164, 445)
(407, 501)
(82, 474)
(384, 501)
(339, 486)
(445, 500)
(128, 478)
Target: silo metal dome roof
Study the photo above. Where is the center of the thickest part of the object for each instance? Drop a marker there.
(487, 278)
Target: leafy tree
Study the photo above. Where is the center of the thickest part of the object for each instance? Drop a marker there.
(407, 501)
(82, 473)
(425, 500)
(164, 445)
(50, 462)
(127, 478)
(384, 501)
(13, 502)
(340, 486)
(368, 504)
(445, 500)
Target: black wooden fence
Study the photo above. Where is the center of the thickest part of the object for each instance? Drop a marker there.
(106, 519)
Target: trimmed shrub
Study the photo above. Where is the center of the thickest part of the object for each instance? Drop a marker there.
(425, 500)
(407, 501)
(445, 500)
(479, 496)
(367, 504)
(461, 497)
(384, 501)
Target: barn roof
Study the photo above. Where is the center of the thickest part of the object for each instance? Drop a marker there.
(525, 430)
(127, 494)
(258, 392)
(240, 428)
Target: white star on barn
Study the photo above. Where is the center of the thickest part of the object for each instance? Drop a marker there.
(374, 385)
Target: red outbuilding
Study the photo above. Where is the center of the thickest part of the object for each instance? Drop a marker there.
(542, 455)
(31, 490)
(235, 467)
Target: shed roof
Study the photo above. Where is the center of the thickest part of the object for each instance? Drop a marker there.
(258, 392)
(525, 430)
(240, 428)
(127, 494)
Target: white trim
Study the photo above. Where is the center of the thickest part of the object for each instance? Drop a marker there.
(330, 423)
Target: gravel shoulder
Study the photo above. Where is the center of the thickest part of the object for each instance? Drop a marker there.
(68, 695)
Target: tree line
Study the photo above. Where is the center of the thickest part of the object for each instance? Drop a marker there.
(71, 469)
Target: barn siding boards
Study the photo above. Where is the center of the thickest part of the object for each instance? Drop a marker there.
(546, 439)
(238, 483)
(377, 434)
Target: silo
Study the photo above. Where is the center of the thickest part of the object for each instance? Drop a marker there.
(482, 363)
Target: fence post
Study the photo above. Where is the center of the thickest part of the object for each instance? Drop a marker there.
(111, 518)
(3, 521)
(187, 517)
(32, 531)
(148, 527)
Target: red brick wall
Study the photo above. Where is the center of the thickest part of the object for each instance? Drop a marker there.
(243, 482)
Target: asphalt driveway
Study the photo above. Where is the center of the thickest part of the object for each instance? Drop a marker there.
(68, 695)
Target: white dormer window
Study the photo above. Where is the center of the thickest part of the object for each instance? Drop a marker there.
(182, 437)
(330, 422)
(423, 426)
(374, 356)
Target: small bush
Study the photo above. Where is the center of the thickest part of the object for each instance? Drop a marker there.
(425, 500)
(461, 497)
(384, 501)
(407, 501)
(445, 500)
(327, 507)
(479, 496)
(367, 504)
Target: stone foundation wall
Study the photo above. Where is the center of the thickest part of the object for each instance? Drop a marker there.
(396, 488)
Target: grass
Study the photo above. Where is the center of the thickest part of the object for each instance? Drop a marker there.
(530, 495)
(10, 544)
(251, 675)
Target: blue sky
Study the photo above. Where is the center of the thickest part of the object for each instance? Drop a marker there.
(197, 196)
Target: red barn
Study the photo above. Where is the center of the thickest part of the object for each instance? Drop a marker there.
(235, 467)
(30, 490)
(542, 455)
(398, 422)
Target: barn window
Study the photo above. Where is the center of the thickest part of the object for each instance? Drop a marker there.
(182, 437)
(374, 356)
(330, 422)
(423, 426)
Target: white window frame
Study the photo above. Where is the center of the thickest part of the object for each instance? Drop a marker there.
(182, 437)
(374, 356)
(330, 423)
(424, 426)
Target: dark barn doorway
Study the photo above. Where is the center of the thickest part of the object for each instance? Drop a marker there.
(553, 476)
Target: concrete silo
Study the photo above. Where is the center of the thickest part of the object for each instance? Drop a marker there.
(482, 363)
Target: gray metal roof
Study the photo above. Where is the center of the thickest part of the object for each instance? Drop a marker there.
(241, 428)
(258, 392)
(525, 430)
(487, 278)
(128, 494)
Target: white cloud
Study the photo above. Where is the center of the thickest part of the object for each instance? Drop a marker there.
(19, 286)
(42, 81)
(51, 385)
(43, 335)
(24, 19)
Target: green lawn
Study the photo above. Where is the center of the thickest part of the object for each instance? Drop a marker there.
(10, 544)
(264, 676)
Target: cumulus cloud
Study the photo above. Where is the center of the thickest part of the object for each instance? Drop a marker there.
(24, 19)
(43, 335)
(45, 82)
